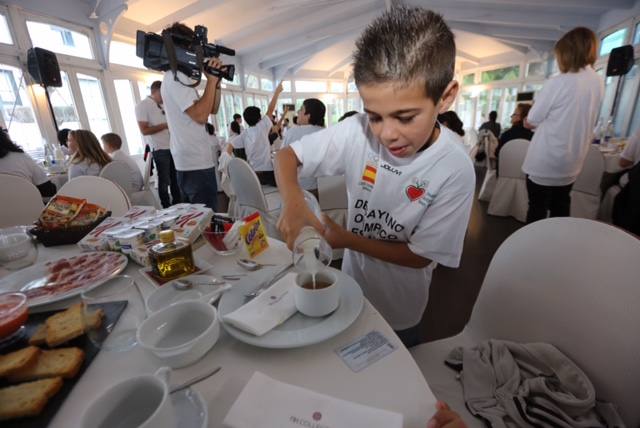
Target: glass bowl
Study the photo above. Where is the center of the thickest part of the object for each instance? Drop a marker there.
(13, 314)
(216, 240)
(17, 248)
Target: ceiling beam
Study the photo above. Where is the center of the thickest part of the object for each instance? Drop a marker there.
(466, 56)
(345, 61)
(507, 32)
(184, 13)
(575, 4)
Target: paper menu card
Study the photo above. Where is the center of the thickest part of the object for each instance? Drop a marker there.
(267, 403)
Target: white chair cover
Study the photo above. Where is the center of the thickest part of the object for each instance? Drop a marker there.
(99, 191)
(470, 138)
(510, 193)
(22, 202)
(147, 172)
(606, 206)
(490, 144)
(548, 282)
(585, 195)
(119, 173)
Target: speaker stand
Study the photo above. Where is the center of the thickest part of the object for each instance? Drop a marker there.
(53, 114)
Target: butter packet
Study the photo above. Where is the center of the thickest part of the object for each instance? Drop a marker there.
(254, 235)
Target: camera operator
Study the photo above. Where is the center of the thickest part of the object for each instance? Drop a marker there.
(187, 115)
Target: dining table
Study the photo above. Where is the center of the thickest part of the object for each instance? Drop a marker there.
(393, 383)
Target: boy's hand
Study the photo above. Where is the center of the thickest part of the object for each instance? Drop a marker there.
(336, 236)
(279, 88)
(445, 418)
(213, 63)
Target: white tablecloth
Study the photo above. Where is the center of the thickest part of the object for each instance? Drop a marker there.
(611, 162)
(393, 383)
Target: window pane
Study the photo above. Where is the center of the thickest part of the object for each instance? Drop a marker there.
(94, 104)
(335, 109)
(282, 102)
(263, 103)
(468, 79)
(607, 100)
(64, 105)
(354, 103)
(124, 54)
(237, 104)
(534, 87)
(536, 69)
(337, 87)
(226, 113)
(286, 85)
(636, 34)
(496, 99)
(613, 40)
(506, 73)
(266, 84)
(351, 87)
(59, 39)
(299, 102)
(250, 101)
(465, 110)
(5, 34)
(17, 112)
(311, 86)
(252, 81)
(508, 106)
(127, 104)
(627, 98)
(482, 109)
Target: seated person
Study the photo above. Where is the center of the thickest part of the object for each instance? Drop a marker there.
(310, 120)
(235, 146)
(451, 120)
(14, 161)
(87, 157)
(255, 140)
(631, 153)
(112, 144)
(517, 130)
(63, 135)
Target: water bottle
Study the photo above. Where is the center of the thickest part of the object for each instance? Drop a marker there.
(608, 133)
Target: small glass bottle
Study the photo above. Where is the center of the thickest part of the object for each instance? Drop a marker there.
(171, 258)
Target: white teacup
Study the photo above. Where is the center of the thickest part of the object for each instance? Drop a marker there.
(138, 402)
(320, 301)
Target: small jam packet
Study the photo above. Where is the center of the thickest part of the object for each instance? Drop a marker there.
(254, 235)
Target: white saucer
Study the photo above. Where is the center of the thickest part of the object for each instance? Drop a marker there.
(190, 408)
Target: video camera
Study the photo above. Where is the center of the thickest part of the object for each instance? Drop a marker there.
(170, 51)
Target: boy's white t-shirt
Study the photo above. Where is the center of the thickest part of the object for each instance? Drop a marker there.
(149, 111)
(294, 135)
(255, 140)
(424, 200)
(564, 113)
(190, 143)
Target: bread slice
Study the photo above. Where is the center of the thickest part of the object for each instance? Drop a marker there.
(17, 360)
(63, 362)
(27, 399)
(39, 338)
(65, 325)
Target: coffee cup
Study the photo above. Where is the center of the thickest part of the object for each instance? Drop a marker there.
(318, 301)
(138, 402)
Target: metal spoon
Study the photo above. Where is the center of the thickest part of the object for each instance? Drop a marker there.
(187, 284)
(234, 277)
(196, 379)
(252, 265)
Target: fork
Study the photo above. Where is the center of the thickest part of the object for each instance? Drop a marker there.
(268, 283)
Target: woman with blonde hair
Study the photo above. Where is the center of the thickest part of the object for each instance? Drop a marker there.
(563, 116)
(87, 157)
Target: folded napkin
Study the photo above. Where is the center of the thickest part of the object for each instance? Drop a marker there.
(268, 310)
(267, 403)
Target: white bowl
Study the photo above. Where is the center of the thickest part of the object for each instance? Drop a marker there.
(180, 334)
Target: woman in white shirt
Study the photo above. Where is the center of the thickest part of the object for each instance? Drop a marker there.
(563, 115)
(87, 157)
(14, 161)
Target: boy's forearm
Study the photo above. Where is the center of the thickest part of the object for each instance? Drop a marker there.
(201, 109)
(273, 102)
(287, 174)
(397, 253)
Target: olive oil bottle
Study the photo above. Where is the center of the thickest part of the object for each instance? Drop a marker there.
(171, 258)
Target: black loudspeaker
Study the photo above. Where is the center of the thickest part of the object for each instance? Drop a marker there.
(620, 61)
(524, 97)
(43, 67)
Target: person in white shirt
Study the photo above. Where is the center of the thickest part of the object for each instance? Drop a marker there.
(409, 181)
(238, 120)
(235, 144)
(153, 126)
(112, 144)
(563, 116)
(14, 161)
(187, 115)
(631, 153)
(255, 139)
(310, 120)
(87, 157)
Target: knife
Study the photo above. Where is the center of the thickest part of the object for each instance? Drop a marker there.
(194, 380)
(264, 285)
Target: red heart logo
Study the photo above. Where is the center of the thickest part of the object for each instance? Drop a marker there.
(414, 192)
(317, 416)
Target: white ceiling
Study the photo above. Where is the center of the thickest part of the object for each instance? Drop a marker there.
(317, 36)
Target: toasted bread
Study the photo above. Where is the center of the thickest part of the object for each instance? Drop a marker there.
(17, 360)
(27, 399)
(65, 325)
(63, 362)
(39, 338)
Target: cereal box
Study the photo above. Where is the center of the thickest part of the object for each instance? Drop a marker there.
(253, 235)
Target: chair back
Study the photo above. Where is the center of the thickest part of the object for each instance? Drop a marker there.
(512, 157)
(573, 283)
(470, 138)
(22, 201)
(120, 173)
(246, 185)
(489, 143)
(588, 181)
(332, 193)
(99, 191)
(147, 172)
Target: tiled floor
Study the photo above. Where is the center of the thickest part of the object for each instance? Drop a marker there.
(454, 291)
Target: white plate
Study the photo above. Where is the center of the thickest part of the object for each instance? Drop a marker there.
(299, 330)
(168, 294)
(56, 280)
(191, 409)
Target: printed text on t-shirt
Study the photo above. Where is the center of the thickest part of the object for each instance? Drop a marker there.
(374, 223)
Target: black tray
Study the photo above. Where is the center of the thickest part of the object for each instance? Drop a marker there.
(112, 312)
(64, 236)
